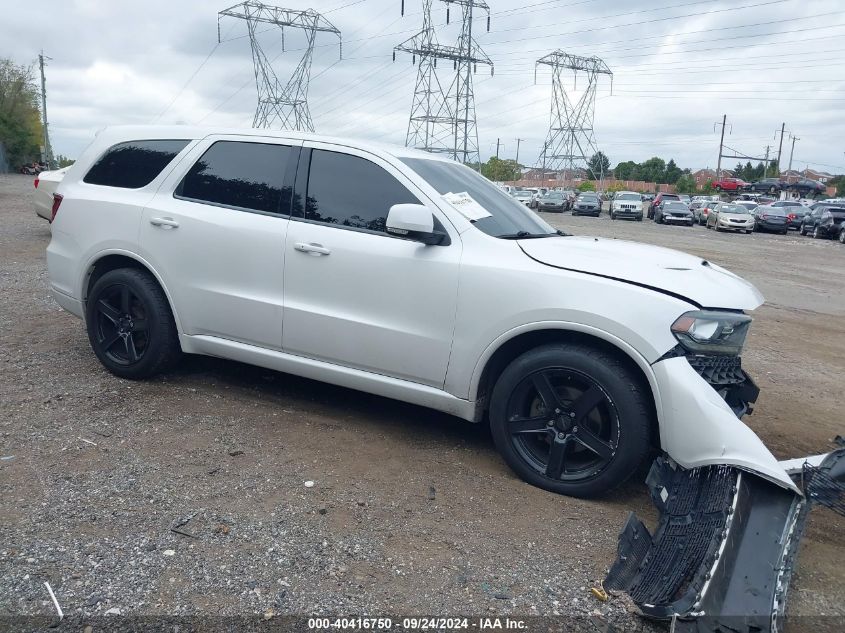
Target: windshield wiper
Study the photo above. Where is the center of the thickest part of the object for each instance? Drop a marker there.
(525, 235)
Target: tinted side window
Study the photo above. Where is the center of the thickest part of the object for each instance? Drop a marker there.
(133, 164)
(351, 191)
(240, 174)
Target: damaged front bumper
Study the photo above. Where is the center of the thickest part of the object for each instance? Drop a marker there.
(725, 546)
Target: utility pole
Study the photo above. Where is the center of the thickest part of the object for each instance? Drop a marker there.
(792, 151)
(721, 143)
(48, 151)
(517, 150)
(766, 162)
(497, 148)
(780, 145)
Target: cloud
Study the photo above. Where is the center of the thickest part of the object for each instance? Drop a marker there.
(678, 65)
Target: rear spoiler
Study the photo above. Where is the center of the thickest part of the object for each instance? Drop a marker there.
(722, 556)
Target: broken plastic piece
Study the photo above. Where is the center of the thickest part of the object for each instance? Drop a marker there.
(725, 546)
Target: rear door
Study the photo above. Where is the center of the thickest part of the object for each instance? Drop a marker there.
(215, 232)
(355, 295)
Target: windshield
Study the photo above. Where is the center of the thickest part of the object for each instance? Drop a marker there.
(677, 206)
(734, 208)
(771, 211)
(628, 196)
(588, 195)
(507, 216)
(554, 195)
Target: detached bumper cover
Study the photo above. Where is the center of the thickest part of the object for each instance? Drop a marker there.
(725, 546)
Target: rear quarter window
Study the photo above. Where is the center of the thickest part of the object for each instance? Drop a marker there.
(133, 164)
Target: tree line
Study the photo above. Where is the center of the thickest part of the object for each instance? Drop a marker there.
(20, 118)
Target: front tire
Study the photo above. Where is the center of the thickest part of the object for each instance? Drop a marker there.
(130, 325)
(817, 234)
(842, 236)
(571, 419)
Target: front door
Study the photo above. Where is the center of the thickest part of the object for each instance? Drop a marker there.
(354, 295)
(216, 236)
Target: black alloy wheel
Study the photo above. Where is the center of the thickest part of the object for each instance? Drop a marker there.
(130, 326)
(563, 424)
(120, 324)
(570, 419)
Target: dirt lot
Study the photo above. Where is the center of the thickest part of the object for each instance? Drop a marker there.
(411, 511)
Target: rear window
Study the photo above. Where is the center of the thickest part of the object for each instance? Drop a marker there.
(133, 164)
(670, 196)
(242, 175)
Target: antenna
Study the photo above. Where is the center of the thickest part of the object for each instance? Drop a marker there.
(283, 105)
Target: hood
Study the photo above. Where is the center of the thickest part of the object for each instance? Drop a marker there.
(736, 216)
(662, 269)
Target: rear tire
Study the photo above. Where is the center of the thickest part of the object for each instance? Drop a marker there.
(817, 234)
(842, 236)
(130, 325)
(571, 419)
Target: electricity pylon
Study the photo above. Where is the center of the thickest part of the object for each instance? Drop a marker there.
(283, 105)
(443, 121)
(570, 140)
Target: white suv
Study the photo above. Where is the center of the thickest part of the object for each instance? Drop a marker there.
(407, 275)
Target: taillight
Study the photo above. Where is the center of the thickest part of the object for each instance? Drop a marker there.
(57, 201)
(790, 217)
(35, 183)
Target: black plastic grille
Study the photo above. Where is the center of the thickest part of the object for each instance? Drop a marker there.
(822, 488)
(718, 370)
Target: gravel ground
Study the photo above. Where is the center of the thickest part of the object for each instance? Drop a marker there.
(189, 494)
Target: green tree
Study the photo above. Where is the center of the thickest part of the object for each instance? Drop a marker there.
(673, 172)
(773, 170)
(499, 170)
(20, 122)
(738, 170)
(64, 161)
(598, 165)
(629, 170)
(586, 185)
(653, 170)
(685, 184)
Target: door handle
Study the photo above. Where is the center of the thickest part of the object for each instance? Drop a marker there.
(312, 249)
(168, 222)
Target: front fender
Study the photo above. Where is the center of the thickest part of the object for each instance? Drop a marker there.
(698, 428)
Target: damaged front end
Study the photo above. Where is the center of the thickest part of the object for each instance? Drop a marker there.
(725, 546)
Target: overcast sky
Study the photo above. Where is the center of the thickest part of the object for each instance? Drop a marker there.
(678, 66)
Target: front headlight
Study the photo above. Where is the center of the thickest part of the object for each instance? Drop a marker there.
(712, 332)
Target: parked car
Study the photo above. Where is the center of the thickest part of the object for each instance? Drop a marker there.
(807, 188)
(553, 201)
(823, 221)
(659, 199)
(523, 196)
(673, 212)
(730, 184)
(685, 199)
(587, 203)
(701, 212)
(45, 184)
(768, 218)
(727, 216)
(626, 204)
(748, 204)
(536, 194)
(795, 212)
(768, 185)
(407, 275)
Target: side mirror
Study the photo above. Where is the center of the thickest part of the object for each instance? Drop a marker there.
(414, 221)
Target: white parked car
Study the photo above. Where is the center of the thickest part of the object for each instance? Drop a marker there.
(407, 275)
(523, 196)
(45, 186)
(626, 204)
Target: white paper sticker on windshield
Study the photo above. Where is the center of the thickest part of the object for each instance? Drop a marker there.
(467, 206)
